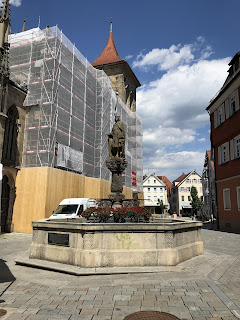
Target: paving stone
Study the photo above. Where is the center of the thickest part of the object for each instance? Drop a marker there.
(82, 317)
(48, 311)
(59, 317)
(93, 311)
(97, 317)
(148, 303)
(121, 297)
(69, 311)
(38, 317)
(16, 316)
(201, 313)
(105, 312)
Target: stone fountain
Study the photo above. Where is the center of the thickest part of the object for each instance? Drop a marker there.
(166, 242)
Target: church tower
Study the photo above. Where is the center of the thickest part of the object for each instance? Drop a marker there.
(123, 79)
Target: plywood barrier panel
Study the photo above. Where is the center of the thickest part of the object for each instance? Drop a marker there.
(30, 198)
(92, 187)
(61, 185)
(127, 192)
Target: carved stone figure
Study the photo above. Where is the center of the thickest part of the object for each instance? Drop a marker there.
(117, 163)
(116, 140)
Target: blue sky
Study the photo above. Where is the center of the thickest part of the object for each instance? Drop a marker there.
(179, 50)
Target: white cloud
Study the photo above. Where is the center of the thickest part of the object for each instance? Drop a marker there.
(173, 106)
(174, 56)
(167, 136)
(16, 3)
(179, 98)
(130, 56)
(174, 164)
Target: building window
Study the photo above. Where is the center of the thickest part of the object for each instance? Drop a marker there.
(219, 116)
(232, 106)
(194, 180)
(223, 153)
(182, 189)
(10, 147)
(238, 197)
(188, 189)
(160, 189)
(182, 198)
(155, 189)
(226, 199)
(154, 181)
(155, 198)
(189, 198)
(237, 148)
(148, 189)
(188, 181)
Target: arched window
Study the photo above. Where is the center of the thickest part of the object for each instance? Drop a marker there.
(10, 148)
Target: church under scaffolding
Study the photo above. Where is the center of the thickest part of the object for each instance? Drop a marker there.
(70, 108)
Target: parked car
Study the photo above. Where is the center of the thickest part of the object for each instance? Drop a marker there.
(73, 208)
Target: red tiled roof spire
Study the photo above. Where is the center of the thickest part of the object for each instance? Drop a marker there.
(109, 54)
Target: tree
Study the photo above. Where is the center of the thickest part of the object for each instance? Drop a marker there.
(196, 201)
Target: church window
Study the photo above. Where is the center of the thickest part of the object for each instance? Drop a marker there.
(9, 154)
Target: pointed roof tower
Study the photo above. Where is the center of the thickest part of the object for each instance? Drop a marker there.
(4, 23)
(109, 54)
(24, 26)
(124, 80)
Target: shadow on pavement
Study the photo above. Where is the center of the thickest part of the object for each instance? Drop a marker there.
(213, 226)
(5, 274)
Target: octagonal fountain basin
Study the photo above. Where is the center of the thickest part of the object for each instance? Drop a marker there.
(165, 242)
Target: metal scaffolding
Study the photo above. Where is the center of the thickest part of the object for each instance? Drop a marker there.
(70, 108)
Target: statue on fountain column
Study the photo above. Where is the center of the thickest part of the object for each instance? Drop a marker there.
(117, 163)
(116, 140)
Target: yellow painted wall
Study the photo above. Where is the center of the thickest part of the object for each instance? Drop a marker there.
(40, 190)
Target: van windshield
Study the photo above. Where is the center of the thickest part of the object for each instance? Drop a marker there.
(66, 209)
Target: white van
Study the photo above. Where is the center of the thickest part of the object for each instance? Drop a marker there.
(73, 208)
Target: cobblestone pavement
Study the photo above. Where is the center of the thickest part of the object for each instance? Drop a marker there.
(206, 287)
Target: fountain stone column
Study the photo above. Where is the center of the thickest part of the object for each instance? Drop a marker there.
(117, 163)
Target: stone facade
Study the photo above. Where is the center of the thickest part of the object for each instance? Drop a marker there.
(12, 122)
(124, 81)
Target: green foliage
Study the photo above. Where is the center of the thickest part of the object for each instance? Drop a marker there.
(196, 201)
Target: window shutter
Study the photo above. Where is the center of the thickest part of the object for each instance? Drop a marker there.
(223, 112)
(227, 151)
(227, 108)
(215, 119)
(219, 155)
(237, 100)
(232, 149)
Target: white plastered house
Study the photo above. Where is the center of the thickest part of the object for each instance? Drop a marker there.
(181, 196)
(154, 190)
